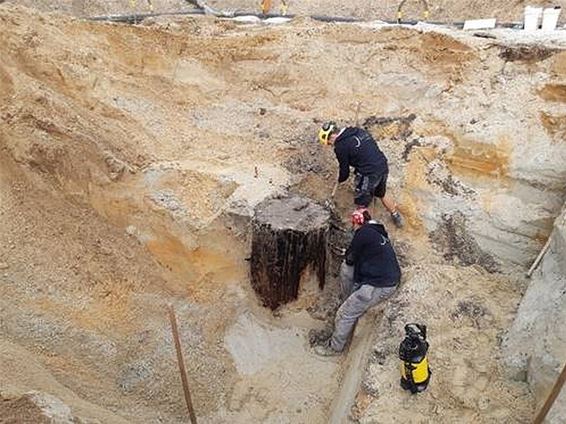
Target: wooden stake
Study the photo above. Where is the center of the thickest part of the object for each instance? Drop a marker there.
(357, 123)
(182, 370)
(374, 209)
(334, 190)
(539, 258)
(551, 397)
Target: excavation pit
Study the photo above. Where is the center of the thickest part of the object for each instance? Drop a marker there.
(133, 158)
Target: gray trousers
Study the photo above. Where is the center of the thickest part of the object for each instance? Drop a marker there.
(355, 302)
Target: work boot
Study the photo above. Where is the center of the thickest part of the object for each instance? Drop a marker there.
(325, 349)
(397, 219)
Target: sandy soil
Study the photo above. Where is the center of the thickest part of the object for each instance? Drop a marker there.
(132, 159)
(465, 327)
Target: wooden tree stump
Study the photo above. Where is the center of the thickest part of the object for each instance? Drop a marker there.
(289, 234)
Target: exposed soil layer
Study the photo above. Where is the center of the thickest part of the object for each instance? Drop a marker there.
(132, 158)
(21, 410)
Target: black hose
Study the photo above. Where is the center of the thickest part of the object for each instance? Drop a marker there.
(140, 17)
(322, 18)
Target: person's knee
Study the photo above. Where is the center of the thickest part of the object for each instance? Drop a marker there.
(382, 294)
(344, 316)
(339, 315)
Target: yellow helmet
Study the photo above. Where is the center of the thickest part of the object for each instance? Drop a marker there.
(325, 131)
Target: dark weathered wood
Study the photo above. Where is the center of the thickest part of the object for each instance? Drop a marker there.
(288, 235)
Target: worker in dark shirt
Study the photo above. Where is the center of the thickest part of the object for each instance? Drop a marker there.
(355, 147)
(369, 275)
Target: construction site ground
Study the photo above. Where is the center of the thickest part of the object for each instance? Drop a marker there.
(131, 158)
(439, 10)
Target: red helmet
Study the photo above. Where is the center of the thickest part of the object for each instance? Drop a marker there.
(358, 217)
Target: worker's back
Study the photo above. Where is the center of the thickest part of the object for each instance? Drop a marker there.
(359, 148)
(373, 256)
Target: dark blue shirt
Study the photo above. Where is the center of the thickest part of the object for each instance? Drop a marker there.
(371, 253)
(356, 147)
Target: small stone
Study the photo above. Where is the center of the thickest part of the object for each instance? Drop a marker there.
(483, 403)
(105, 250)
(4, 265)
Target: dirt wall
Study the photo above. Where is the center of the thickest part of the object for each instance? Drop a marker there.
(535, 347)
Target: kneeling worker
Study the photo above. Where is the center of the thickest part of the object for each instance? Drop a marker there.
(369, 275)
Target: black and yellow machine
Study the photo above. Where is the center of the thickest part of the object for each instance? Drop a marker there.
(415, 371)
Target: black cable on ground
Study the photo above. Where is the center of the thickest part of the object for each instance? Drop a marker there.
(136, 18)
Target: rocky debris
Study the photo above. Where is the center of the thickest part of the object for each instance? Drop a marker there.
(408, 147)
(168, 200)
(439, 174)
(309, 162)
(472, 310)
(116, 166)
(456, 243)
(319, 336)
(527, 53)
(395, 128)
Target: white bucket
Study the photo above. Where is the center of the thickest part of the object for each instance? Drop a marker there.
(479, 24)
(550, 18)
(532, 18)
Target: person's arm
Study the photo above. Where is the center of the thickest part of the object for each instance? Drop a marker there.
(343, 162)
